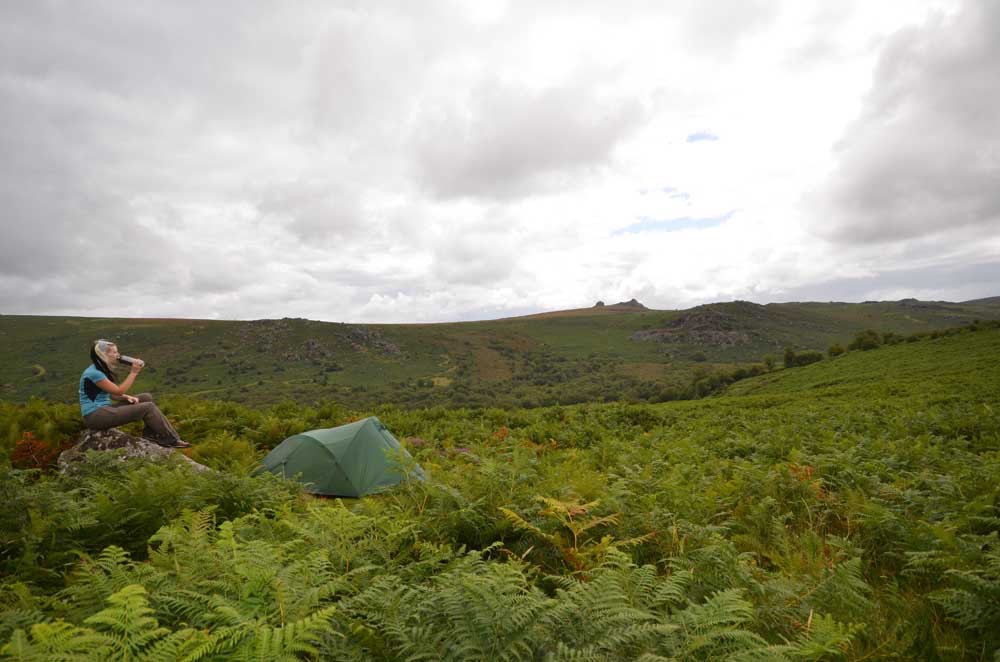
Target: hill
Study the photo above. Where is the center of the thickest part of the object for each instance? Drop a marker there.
(844, 510)
(620, 351)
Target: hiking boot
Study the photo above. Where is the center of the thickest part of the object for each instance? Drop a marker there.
(167, 442)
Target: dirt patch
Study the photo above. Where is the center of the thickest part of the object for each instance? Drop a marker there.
(441, 381)
(490, 364)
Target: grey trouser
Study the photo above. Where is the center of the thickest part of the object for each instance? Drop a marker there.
(155, 424)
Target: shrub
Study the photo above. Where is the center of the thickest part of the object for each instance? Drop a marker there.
(224, 450)
(807, 357)
(866, 340)
(32, 453)
(890, 338)
(793, 359)
(836, 349)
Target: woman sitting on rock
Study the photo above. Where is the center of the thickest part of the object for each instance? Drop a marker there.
(98, 389)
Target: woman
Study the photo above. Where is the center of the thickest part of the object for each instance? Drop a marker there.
(98, 389)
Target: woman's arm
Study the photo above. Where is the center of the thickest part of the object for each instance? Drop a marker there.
(120, 389)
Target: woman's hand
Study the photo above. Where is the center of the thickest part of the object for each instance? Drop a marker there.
(137, 366)
(131, 399)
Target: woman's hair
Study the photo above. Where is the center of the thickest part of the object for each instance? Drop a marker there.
(99, 355)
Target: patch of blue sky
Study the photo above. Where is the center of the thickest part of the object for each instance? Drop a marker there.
(663, 189)
(700, 136)
(649, 224)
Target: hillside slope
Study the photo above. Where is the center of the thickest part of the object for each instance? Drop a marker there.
(965, 365)
(607, 353)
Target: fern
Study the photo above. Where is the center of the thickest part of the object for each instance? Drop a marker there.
(842, 592)
(129, 623)
(824, 639)
(973, 599)
(624, 612)
(94, 579)
(573, 539)
(56, 642)
(183, 645)
(259, 642)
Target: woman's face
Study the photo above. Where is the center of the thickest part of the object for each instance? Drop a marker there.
(113, 353)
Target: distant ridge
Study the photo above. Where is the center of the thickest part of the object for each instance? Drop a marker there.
(986, 300)
(620, 351)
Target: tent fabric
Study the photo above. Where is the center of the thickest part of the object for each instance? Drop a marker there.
(350, 460)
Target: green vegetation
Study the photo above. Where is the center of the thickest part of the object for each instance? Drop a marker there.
(621, 354)
(848, 509)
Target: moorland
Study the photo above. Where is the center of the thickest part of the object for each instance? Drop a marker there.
(848, 509)
(619, 352)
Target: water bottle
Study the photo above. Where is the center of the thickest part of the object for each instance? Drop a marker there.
(129, 361)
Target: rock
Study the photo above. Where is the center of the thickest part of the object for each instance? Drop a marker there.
(631, 303)
(126, 445)
(705, 326)
(361, 337)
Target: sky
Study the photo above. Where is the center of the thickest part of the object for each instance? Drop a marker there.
(443, 161)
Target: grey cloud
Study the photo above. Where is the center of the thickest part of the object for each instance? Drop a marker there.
(924, 156)
(717, 28)
(316, 211)
(481, 258)
(500, 140)
(105, 106)
(819, 45)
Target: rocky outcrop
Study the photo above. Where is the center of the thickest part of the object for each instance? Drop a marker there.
(707, 326)
(631, 303)
(125, 445)
(362, 337)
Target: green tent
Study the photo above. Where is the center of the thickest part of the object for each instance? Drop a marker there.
(351, 460)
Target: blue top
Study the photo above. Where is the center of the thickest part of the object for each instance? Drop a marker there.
(92, 396)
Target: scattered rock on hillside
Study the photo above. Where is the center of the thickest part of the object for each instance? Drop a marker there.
(362, 337)
(265, 335)
(126, 445)
(705, 326)
(926, 305)
(310, 350)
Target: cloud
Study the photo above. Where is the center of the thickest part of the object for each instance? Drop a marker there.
(923, 157)
(503, 139)
(719, 28)
(395, 162)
